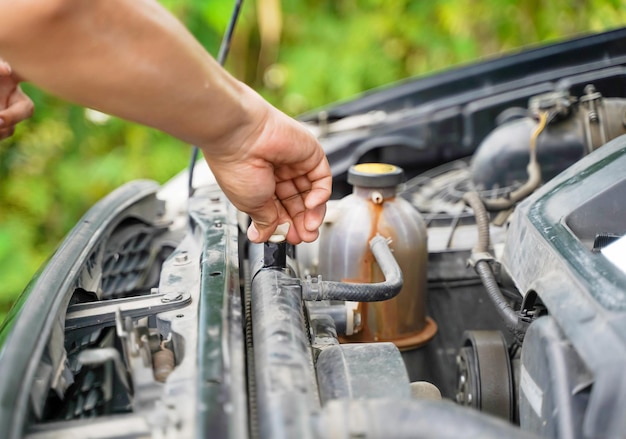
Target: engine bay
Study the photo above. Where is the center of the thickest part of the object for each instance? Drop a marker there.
(468, 281)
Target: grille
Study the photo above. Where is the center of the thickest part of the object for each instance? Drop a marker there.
(127, 261)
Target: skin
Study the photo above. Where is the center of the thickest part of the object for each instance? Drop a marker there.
(15, 106)
(133, 59)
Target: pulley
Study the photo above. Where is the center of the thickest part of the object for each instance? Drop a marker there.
(484, 377)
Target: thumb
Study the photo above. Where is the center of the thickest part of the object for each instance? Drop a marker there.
(264, 222)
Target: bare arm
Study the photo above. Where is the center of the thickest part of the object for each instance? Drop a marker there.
(128, 58)
(133, 59)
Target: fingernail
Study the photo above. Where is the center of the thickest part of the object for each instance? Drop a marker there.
(1, 122)
(253, 233)
(7, 65)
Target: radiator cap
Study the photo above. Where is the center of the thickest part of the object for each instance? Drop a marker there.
(378, 175)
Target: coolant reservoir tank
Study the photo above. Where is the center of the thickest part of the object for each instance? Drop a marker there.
(344, 255)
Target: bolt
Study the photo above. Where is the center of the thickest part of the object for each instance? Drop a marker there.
(171, 297)
(181, 258)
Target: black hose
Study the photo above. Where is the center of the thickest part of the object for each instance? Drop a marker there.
(316, 289)
(507, 313)
(482, 221)
(481, 257)
(534, 174)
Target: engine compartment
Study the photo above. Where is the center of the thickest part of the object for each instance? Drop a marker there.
(162, 320)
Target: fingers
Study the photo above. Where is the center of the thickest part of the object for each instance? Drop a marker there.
(7, 132)
(15, 106)
(269, 201)
(11, 116)
(5, 68)
(272, 216)
(264, 221)
(315, 201)
(313, 218)
(20, 107)
(279, 175)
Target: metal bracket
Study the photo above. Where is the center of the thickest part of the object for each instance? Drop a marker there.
(102, 313)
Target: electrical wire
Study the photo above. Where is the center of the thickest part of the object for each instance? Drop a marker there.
(221, 59)
(543, 119)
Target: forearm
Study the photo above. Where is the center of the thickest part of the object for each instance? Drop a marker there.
(131, 58)
(146, 65)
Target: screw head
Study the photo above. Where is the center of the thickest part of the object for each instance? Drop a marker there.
(181, 258)
(171, 297)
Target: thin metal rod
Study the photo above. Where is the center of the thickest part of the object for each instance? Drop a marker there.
(221, 59)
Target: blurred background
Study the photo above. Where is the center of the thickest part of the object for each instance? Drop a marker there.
(299, 54)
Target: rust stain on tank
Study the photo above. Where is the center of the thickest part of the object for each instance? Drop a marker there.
(401, 320)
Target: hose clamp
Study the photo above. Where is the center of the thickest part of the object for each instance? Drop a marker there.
(312, 288)
(477, 257)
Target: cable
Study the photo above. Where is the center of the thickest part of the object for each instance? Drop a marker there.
(221, 59)
(543, 119)
(480, 259)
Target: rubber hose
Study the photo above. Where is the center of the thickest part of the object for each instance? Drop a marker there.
(482, 267)
(482, 221)
(533, 169)
(361, 292)
(533, 182)
(507, 313)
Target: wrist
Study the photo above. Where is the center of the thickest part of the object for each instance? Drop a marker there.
(242, 122)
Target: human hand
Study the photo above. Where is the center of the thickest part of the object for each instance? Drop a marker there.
(15, 106)
(278, 173)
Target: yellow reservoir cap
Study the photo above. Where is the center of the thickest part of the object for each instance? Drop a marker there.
(376, 175)
(375, 168)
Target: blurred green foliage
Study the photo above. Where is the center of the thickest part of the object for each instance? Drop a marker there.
(299, 54)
